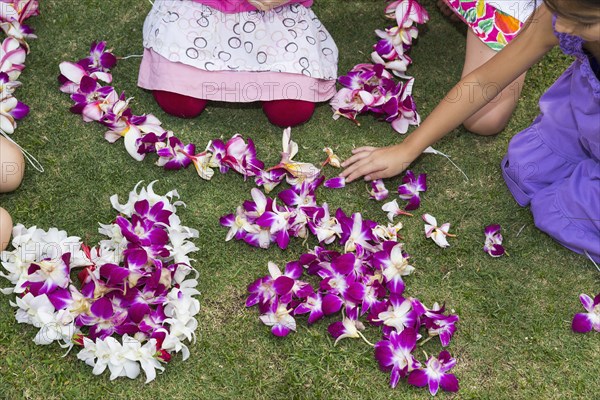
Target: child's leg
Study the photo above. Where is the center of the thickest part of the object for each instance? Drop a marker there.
(12, 166)
(569, 209)
(179, 105)
(5, 228)
(286, 113)
(494, 117)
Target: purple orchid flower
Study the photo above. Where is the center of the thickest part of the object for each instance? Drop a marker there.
(241, 156)
(71, 75)
(322, 225)
(100, 59)
(155, 214)
(219, 150)
(338, 182)
(378, 190)
(142, 231)
(355, 232)
(436, 322)
(349, 327)
(277, 219)
(102, 319)
(301, 195)
(139, 301)
(399, 314)
(318, 306)
(435, 375)
(393, 262)
(175, 155)
(493, 241)
(114, 275)
(395, 354)
(11, 110)
(7, 86)
(12, 58)
(401, 109)
(92, 99)
(270, 179)
(265, 290)
(411, 188)
(279, 318)
(48, 275)
(585, 322)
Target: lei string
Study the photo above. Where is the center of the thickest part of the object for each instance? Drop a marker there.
(137, 283)
(371, 87)
(13, 14)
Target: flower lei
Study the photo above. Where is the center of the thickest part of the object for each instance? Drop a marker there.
(371, 87)
(143, 134)
(137, 283)
(13, 14)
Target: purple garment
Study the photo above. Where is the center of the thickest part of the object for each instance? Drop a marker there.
(554, 165)
(238, 6)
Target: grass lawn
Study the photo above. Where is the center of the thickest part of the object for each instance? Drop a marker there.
(514, 338)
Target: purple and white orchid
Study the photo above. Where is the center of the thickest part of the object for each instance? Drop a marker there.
(378, 190)
(437, 233)
(411, 188)
(435, 375)
(493, 241)
(395, 354)
(585, 322)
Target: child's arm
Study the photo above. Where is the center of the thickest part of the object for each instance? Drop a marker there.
(464, 100)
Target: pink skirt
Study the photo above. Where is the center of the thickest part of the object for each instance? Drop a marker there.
(198, 51)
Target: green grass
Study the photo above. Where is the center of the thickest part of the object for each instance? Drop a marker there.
(514, 339)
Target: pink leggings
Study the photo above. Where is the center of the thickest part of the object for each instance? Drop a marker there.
(282, 113)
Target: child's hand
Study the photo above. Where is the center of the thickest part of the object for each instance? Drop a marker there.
(376, 163)
(266, 5)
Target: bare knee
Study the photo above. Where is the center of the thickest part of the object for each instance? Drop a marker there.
(485, 126)
(12, 166)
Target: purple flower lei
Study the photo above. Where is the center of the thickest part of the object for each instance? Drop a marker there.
(371, 87)
(138, 283)
(14, 50)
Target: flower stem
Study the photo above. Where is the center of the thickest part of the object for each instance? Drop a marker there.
(365, 339)
(425, 341)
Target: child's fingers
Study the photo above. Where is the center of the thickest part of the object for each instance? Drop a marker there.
(364, 167)
(348, 172)
(355, 158)
(377, 175)
(362, 149)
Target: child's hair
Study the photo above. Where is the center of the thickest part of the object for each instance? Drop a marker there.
(557, 6)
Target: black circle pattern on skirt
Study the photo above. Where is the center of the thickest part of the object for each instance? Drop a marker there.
(234, 42)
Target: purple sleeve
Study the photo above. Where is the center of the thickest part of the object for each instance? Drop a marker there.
(236, 6)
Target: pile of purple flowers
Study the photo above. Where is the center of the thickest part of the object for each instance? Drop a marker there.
(137, 283)
(365, 282)
(14, 50)
(371, 87)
